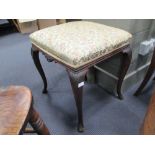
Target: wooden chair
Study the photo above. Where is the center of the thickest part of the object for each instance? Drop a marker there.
(148, 127)
(16, 111)
(148, 75)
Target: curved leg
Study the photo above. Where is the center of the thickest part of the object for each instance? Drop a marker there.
(35, 56)
(77, 82)
(147, 76)
(37, 123)
(127, 55)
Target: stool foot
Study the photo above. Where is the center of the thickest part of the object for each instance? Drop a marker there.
(80, 128)
(44, 91)
(126, 60)
(35, 56)
(77, 82)
(120, 96)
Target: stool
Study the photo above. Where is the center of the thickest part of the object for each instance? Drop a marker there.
(78, 46)
(148, 75)
(16, 111)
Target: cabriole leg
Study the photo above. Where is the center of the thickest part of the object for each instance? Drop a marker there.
(126, 60)
(77, 83)
(35, 56)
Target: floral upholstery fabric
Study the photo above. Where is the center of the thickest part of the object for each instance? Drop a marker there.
(77, 43)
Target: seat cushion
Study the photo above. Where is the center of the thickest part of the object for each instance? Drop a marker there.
(77, 43)
(15, 103)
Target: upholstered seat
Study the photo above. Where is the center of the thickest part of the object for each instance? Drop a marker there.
(77, 43)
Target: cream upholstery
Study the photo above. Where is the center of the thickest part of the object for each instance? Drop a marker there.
(77, 43)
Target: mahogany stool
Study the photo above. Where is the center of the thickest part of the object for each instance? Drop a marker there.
(148, 127)
(78, 46)
(148, 75)
(16, 111)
